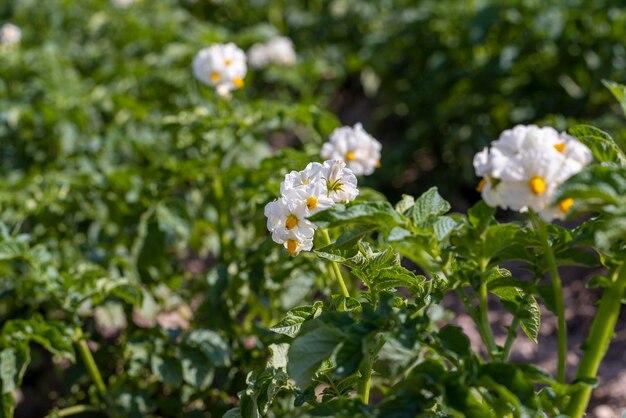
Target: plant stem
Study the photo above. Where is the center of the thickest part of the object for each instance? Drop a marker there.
(366, 380)
(476, 317)
(90, 364)
(510, 338)
(73, 410)
(598, 341)
(335, 267)
(490, 342)
(222, 219)
(540, 227)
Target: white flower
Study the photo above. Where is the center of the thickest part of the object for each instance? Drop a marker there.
(526, 165)
(286, 220)
(311, 174)
(278, 50)
(314, 195)
(222, 66)
(304, 193)
(340, 181)
(10, 34)
(357, 148)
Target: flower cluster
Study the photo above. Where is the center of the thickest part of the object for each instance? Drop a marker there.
(222, 66)
(279, 51)
(357, 148)
(524, 167)
(10, 34)
(304, 193)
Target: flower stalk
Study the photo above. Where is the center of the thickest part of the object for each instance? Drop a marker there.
(540, 228)
(90, 364)
(598, 341)
(335, 267)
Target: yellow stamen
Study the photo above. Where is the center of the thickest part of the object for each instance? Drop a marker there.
(560, 147)
(215, 77)
(565, 205)
(350, 156)
(481, 185)
(291, 222)
(292, 246)
(537, 185)
(311, 202)
(377, 164)
(228, 62)
(238, 82)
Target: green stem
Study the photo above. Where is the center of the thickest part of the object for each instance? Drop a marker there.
(90, 364)
(74, 410)
(475, 315)
(335, 267)
(487, 332)
(365, 383)
(510, 338)
(540, 227)
(222, 219)
(598, 341)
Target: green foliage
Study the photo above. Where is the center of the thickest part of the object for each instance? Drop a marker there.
(132, 229)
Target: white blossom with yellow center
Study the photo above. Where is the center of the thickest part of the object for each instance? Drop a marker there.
(304, 193)
(526, 165)
(286, 220)
(222, 66)
(340, 181)
(314, 195)
(310, 175)
(359, 150)
(10, 34)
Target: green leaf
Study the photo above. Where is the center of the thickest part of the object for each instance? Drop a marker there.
(443, 226)
(405, 204)
(54, 336)
(167, 369)
(509, 376)
(429, 205)
(233, 413)
(618, 90)
(366, 213)
(480, 216)
(531, 319)
(295, 317)
(196, 369)
(603, 147)
(595, 187)
(498, 238)
(527, 310)
(349, 356)
(453, 339)
(11, 369)
(10, 250)
(13, 363)
(214, 347)
(308, 351)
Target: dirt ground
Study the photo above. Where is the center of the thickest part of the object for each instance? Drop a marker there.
(609, 398)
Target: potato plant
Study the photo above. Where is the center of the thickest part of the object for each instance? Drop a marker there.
(138, 277)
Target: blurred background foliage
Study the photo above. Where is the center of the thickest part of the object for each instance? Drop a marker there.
(115, 163)
(437, 80)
